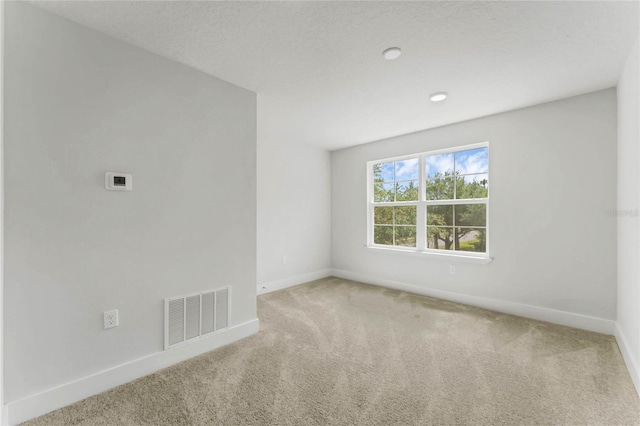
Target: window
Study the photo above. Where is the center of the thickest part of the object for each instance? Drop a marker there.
(431, 202)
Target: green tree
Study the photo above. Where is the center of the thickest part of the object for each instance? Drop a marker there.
(440, 187)
(473, 189)
(470, 219)
(440, 226)
(380, 193)
(467, 216)
(406, 191)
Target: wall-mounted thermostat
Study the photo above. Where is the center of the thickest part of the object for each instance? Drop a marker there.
(118, 181)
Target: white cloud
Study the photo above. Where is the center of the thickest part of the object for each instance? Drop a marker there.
(407, 169)
(474, 163)
(386, 171)
(439, 164)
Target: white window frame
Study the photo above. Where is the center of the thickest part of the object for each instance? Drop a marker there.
(421, 209)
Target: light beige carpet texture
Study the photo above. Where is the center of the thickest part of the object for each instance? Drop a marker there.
(336, 352)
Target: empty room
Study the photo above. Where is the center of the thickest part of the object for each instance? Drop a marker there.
(320, 213)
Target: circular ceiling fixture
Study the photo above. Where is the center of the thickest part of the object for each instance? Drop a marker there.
(438, 96)
(391, 53)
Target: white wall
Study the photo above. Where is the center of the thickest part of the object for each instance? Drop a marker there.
(3, 420)
(78, 104)
(294, 208)
(552, 179)
(628, 330)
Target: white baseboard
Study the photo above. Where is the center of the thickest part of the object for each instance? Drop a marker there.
(632, 364)
(570, 319)
(292, 281)
(51, 399)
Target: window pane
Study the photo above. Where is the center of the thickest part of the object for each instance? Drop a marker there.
(439, 238)
(405, 236)
(440, 188)
(472, 161)
(383, 215)
(383, 192)
(405, 215)
(407, 169)
(471, 215)
(439, 165)
(407, 191)
(440, 215)
(383, 235)
(448, 178)
(471, 239)
(383, 172)
(472, 186)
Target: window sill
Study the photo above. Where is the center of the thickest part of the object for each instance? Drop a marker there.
(448, 257)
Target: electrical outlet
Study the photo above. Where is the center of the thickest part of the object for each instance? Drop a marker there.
(111, 319)
(452, 269)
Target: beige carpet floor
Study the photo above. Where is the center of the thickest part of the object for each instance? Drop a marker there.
(336, 352)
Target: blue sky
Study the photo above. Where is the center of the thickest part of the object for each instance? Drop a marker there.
(402, 170)
(465, 162)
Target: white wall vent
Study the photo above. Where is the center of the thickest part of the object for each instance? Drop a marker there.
(190, 317)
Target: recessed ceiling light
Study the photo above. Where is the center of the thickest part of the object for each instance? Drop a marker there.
(391, 53)
(438, 96)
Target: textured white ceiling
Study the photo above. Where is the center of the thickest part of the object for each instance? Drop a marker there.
(320, 76)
